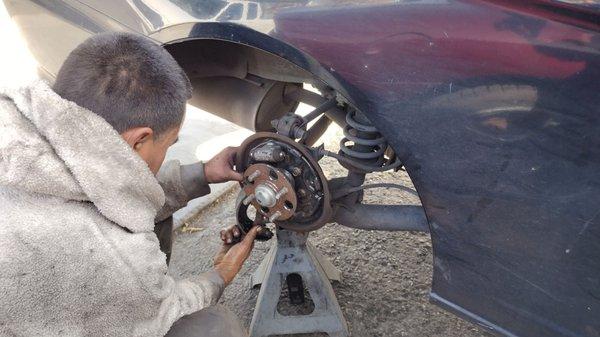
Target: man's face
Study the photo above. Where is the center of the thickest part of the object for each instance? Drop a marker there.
(150, 148)
(155, 150)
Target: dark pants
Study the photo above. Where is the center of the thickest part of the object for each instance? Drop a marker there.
(164, 232)
(215, 321)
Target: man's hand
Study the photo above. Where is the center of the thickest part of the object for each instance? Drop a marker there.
(220, 168)
(230, 259)
(230, 234)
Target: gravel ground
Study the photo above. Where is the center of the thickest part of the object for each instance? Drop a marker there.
(386, 276)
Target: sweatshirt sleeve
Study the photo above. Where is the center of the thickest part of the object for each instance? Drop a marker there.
(185, 297)
(181, 183)
(200, 291)
(170, 298)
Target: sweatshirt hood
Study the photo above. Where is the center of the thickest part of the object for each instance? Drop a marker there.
(52, 146)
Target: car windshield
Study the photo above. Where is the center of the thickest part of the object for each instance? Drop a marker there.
(252, 11)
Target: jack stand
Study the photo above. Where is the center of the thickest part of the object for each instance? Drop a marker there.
(291, 254)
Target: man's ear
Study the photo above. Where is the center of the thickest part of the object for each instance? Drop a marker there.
(138, 137)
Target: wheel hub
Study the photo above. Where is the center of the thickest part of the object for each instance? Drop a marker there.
(283, 183)
(268, 190)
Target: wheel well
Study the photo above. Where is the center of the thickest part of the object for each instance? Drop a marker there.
(240, 83)
(212, 57)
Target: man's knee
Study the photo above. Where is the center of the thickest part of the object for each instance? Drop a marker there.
(215, 321)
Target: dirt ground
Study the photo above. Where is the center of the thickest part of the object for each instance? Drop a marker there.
(386, 276)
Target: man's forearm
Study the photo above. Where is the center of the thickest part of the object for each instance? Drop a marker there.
(181, 183)
(194, 181)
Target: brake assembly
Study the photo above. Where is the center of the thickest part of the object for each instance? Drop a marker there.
(283, 184)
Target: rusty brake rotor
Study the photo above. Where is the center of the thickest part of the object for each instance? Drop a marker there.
(283, 182)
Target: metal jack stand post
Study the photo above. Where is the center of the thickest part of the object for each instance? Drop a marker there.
(291, 254)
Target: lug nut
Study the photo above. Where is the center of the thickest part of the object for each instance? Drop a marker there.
(248, 200)
(296, 171)
(275, 216)
(253, 176)
(281, 193)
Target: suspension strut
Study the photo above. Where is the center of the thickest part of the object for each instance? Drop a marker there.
(363, 150)
(369, 145)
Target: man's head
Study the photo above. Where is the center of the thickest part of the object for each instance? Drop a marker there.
(134, 84)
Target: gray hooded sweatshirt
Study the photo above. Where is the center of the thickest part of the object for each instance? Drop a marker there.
(78, 255)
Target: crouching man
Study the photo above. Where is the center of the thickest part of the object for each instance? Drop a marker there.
(82, 184)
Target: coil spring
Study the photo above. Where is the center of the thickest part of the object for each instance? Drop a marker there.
(368, 146)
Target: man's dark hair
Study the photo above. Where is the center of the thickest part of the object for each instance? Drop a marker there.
(128, 80)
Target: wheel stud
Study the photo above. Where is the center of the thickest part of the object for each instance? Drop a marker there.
(275, 216)
(248, 200)
(253, 176)
(281, 193)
